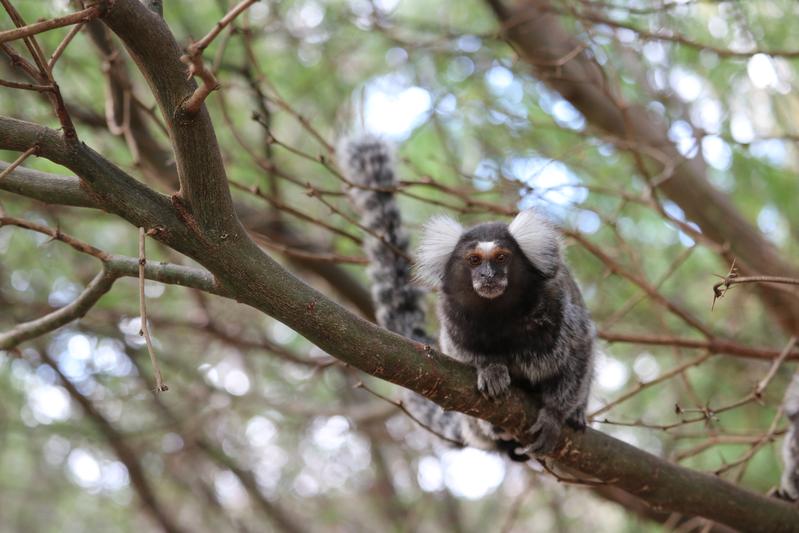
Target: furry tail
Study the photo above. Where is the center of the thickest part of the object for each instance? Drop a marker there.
(367, 162)
(789, 488)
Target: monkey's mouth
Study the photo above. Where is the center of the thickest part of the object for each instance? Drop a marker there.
(490, 289)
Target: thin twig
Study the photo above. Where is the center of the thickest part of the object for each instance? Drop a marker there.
(26, 86)
(82, 16)
(160, 386)
(239, 8)
(714, 345)
(661, 378)
(18, 161)
(55, 234)
(77, 308)
(732, 278)
(401, 406)
(193, 58)
(193, 103)
(63, 44)
(763, 383)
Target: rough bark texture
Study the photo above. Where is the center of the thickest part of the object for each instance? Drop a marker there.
(201, 223)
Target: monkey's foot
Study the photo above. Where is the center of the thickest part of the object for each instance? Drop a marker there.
(511, 448)
(493, 381)
(545, 432)
(577, 420)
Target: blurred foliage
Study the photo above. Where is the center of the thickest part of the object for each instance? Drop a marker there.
(462, 108)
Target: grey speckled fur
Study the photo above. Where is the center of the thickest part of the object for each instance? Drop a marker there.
(509, 307)
(367, 162)
(558, 366)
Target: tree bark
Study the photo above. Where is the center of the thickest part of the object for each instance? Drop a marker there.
(202, 224)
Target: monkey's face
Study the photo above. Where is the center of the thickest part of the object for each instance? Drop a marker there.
(488, 263)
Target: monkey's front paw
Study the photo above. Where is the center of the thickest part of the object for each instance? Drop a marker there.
(545, 432)
(493, 381)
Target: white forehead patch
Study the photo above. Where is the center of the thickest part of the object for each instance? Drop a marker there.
(486, 247)
(439, 238)
(538, 240)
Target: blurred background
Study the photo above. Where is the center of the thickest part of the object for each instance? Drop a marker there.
(260, 430)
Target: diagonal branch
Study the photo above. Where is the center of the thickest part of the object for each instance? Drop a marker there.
(17, 162)
(76, 309)
(46, 25)
(46, 187)
(123, 451)
(253, 278)
(203, 181)
(536, 33)
(114, 267)
(194, 59)
(67, 190)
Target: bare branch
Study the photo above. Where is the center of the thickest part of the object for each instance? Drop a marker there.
(204, 193)
(732, 278)
(26, 86)
(203, 43)
(100, 285)
(78, 17)
(194, 278)
(399, 405)
(763, 383)
(63, 45)
(209, 84)
(56, 235)
(193, 58)
(18, 161)
(714, 345)
(160, 386)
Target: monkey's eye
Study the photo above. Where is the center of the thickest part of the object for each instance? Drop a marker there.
(500, 258)
(474, 259)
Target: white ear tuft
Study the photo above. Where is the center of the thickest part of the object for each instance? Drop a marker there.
(439, 238)
(539, 240)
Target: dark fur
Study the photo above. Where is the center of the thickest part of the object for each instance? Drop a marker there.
(537, 332)
(367, 163)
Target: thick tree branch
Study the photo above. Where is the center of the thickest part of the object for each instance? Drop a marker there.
(157, 165)
(203, 181)
(107, 185)
(253, 278)
(67, 190)
(537, 35)
(114, 267)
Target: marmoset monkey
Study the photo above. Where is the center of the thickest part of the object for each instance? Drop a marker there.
(507, 305)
